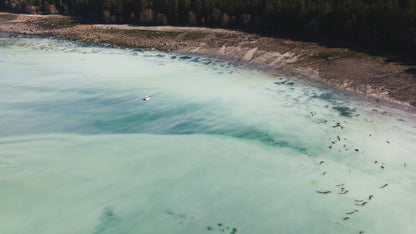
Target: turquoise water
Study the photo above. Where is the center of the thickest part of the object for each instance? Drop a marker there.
(218, 149)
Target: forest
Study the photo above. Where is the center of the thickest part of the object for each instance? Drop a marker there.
(387, 24)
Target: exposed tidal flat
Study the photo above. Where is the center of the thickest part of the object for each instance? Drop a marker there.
(217, 148)
(377, 75)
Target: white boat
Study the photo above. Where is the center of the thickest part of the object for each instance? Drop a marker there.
(147, 98)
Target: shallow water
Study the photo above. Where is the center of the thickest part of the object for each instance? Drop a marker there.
(218, 149)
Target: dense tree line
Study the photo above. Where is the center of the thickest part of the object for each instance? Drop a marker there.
(382, 23)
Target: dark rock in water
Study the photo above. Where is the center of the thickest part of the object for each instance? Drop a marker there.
(280, 81)
(344, 111)
(323, 192)
(173, 57)
(385, 185)
(160, 55)
(185, 57)
(196, 60)
(337, 125)
(361, 204)
(344, 191)
(290, 83)
(206, 61)
(233, 231)
(352, 212)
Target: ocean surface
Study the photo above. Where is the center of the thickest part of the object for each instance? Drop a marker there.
(217, 148)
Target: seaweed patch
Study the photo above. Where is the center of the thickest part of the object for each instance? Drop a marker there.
(178, 217)
(344, 111)
(220, 227)
(108, 219)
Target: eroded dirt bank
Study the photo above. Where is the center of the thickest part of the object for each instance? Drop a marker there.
(378, 78)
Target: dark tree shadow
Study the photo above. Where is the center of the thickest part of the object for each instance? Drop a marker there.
(412, 71)
(400, 56)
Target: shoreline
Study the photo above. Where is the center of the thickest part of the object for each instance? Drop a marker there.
(376, 79)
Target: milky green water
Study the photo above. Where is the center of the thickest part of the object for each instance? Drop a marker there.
(218, 149)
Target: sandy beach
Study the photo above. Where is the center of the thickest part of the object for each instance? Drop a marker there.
(382, 77)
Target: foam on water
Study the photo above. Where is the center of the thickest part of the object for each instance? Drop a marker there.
(217, 148)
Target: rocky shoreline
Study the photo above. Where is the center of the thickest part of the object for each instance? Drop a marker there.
(380, 79)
